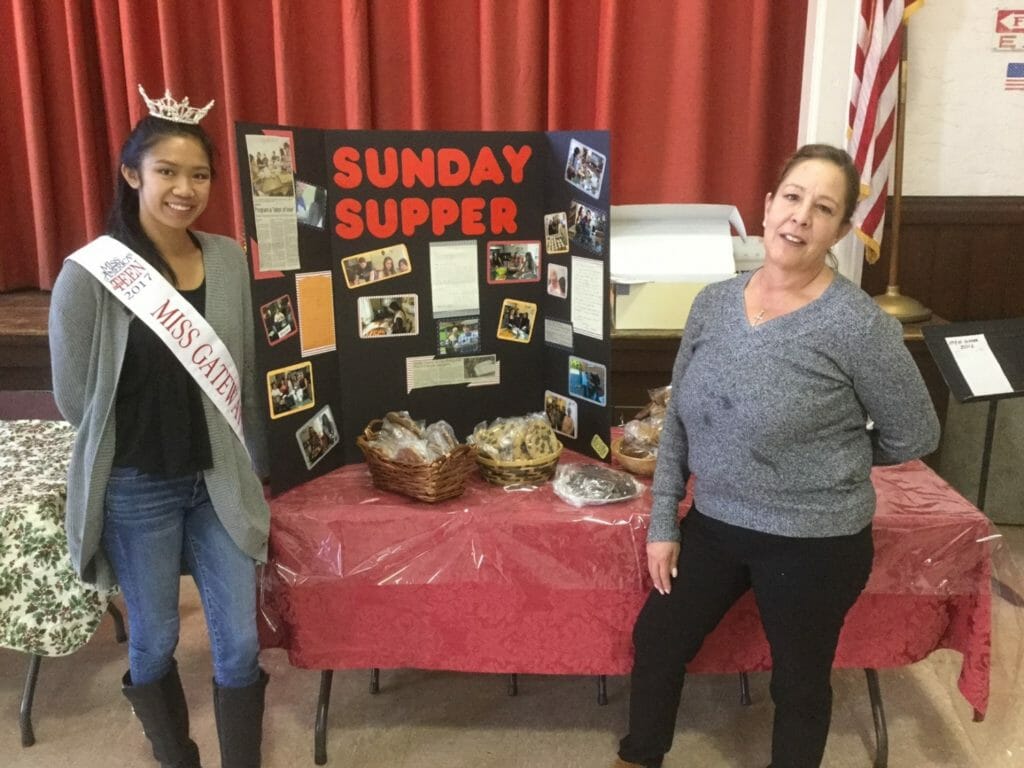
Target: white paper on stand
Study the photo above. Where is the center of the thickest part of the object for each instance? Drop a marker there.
(978, 365)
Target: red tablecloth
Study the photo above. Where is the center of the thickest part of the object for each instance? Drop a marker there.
(498, 581)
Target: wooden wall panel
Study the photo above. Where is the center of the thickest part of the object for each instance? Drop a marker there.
(963, 257)
(24, 345)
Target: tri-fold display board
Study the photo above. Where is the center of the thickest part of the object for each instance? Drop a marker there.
(457, 275)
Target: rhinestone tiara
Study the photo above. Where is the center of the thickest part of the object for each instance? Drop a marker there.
(177, 112)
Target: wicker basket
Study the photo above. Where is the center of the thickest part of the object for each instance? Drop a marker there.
(440, 480)
(528, 471)
(643, 467)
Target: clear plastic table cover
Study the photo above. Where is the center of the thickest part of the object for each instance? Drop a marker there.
(521, 581)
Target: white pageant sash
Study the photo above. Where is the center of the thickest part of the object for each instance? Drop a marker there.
(154, 301)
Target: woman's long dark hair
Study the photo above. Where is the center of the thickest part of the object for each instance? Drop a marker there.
(123, 222)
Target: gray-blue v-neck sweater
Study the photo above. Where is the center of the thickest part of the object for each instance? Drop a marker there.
(771, 419)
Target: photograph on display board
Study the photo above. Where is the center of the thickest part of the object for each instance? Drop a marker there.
(310, 204)
(587, 226)
(556, 232)
(278, 319)
(584, 168)
(383, 316)
(561, 412)
(515, 323)
(376, 265)
(270, 166)
(558, 280)
(458, 336)
(290, 390)
(317, 436)
(513, 261)
(587, 380)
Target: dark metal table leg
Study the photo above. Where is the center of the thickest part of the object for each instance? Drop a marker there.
(375, 680)
(1007, 593)
(602, 690)
(322, 705)
(513, 684)
(119, 632)
(878, 713)
(28, 737)
(744, 689)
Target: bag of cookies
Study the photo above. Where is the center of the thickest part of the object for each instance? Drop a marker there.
(518, 438)
(586, 484)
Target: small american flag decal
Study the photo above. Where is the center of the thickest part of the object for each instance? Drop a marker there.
(1015, 76)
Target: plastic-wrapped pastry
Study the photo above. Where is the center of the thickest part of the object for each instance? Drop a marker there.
(411, 453)
(641, 436)
(586, 484)
(405, 440)
(401, 424)
(440, 439)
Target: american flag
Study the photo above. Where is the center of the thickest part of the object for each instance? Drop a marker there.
(1015, 76)
(872, 121)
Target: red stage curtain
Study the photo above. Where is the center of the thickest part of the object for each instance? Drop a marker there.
(701, 96)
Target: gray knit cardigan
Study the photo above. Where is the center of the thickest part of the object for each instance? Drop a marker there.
(88, 336)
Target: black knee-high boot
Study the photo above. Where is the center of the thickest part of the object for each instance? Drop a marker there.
(163, 712)
(239, 716)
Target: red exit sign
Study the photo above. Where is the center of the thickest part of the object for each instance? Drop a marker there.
(1010, 22)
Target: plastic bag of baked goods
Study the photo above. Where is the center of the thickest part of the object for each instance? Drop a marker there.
(641, 436)
(403, 439)
(515, 438)
(586, 484)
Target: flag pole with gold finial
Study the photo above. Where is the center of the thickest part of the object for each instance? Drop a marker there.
(903, 308)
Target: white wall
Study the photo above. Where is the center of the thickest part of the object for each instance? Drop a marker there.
(964, 132)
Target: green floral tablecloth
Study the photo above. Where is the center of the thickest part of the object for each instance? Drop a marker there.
(44, 608)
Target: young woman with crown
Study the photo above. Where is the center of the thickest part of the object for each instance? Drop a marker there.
(151, 336)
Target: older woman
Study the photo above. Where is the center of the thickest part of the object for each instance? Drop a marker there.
(777, 376)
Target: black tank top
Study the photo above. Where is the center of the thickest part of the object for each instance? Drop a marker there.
(161, 426)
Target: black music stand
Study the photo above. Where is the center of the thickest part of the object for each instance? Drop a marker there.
(1006, 340)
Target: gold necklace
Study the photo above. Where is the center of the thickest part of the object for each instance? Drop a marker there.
(758, 318)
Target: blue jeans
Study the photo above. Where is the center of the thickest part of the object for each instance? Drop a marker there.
(153, 524)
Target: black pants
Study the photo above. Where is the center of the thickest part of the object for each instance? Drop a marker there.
(803, 587)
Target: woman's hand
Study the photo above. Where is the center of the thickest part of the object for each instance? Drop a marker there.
(662, 558)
